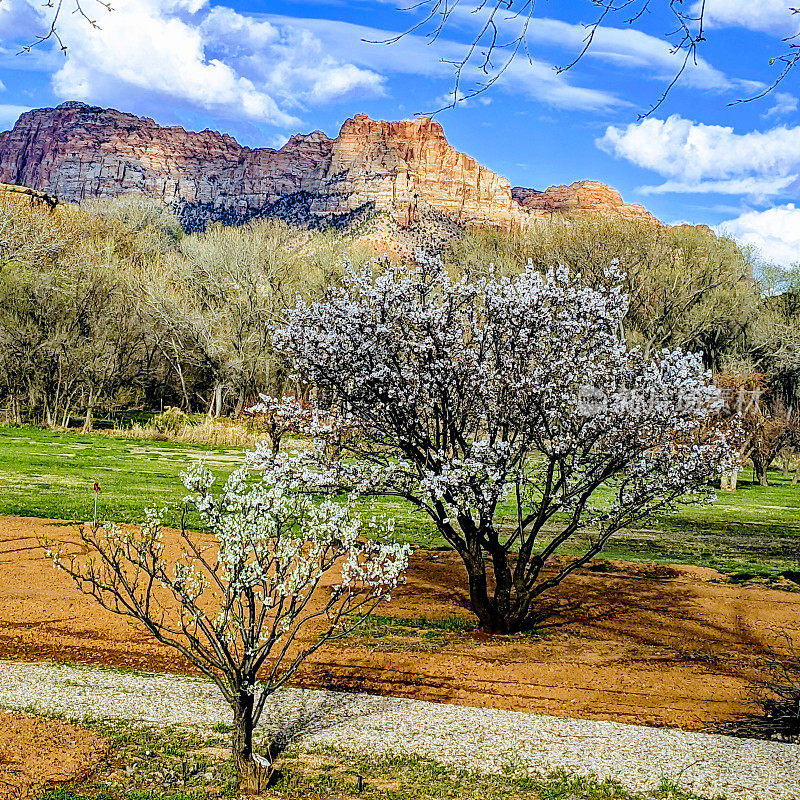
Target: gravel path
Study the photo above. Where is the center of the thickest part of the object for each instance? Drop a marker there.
(483, 739)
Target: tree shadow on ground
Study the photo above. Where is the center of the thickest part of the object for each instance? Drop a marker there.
(316, 712)
(655, 610)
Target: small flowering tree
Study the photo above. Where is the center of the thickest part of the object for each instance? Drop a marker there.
(244, 602)
(282, 415)
(512, 413)
(287, 414)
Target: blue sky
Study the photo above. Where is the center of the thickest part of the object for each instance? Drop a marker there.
(263, 70)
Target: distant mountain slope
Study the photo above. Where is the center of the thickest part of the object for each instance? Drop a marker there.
(407, 170)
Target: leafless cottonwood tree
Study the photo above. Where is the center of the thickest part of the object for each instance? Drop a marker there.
(109, 306)
(766, 426)
(686, 287)
(214, 297)
(501, 35)
(772, 433)
(69, 338)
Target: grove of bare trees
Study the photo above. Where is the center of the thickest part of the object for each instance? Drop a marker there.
(109, 309)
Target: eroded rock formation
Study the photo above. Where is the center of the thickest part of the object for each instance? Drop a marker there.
(406, 170)
(589, 197)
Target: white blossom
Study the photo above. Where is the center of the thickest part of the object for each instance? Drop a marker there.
(469, 393)
(244, 600)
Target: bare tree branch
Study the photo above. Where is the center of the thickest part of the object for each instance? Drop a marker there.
(58, 10)
(502, 35)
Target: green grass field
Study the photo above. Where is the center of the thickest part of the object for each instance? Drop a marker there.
(50, 474)
(43, 473)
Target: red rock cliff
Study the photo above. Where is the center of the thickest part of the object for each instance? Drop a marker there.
(586, 197)
(405, 169)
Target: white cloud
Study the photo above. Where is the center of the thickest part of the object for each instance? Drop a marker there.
(775, 233)
(270, 68)
(753, 187)
(769, 16)
(265, 68)
(704, 158)
(462, 101)
(184, 52)
(540, 82)
(632, 49)
(415, 55)
(785, 103)
(627, 47)
(278, 141)
(287, 58)
(156, 48)
(16, 16)
(9, 114)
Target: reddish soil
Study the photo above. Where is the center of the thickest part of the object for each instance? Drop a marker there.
(665, 646)
(37, 753)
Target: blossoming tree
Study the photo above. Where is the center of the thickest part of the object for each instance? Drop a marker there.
(512, 413)
(289, 414)
(282, 415)
(243, 602)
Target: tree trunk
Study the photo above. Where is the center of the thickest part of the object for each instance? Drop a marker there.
(88, 421)
(729, 481)
(496, 614)
(217, 400)
(179, 371)
(68, 407)
(187, 403)
(252, 777)
(760, 470)
(483, 607)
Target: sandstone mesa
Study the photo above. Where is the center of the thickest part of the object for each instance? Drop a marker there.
(405, 171)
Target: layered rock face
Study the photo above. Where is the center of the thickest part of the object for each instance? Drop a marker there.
(408, 167)
(22, 195)
(76, 151)
(582, 197)
(404, 169)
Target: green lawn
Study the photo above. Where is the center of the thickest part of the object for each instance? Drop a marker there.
(45, 473)
(50, 474)
(755, 531)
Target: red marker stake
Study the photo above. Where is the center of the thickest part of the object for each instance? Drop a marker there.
(96, 493)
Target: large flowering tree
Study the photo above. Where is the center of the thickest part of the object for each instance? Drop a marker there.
(243, 602)
(477, 396)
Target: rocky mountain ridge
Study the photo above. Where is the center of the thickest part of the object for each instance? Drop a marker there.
(406, 170)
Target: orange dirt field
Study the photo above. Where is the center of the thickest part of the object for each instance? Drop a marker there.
(639, 643)
(38, 753)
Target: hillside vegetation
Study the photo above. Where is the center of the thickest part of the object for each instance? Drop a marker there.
(110, 311)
